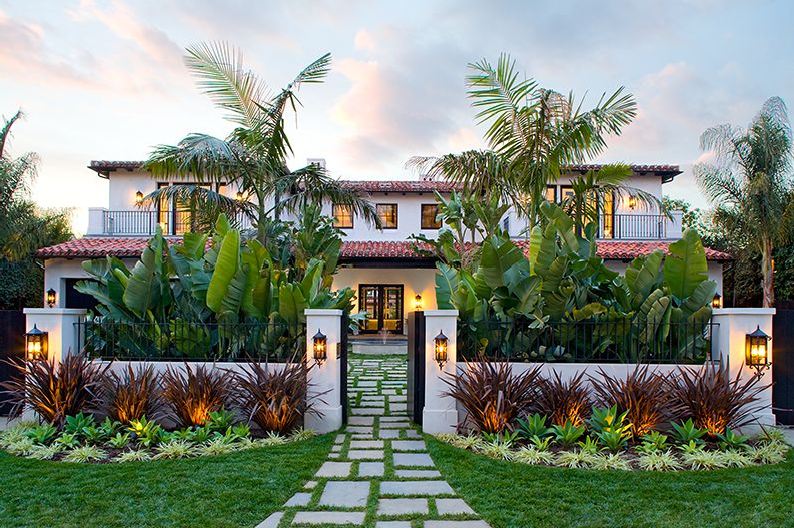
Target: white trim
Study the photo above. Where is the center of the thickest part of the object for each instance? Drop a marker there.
(745, 311)
(441, 313)
(54, 311)
(322, 311)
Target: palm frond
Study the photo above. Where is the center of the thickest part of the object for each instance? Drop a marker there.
(200, 157)
(5, 132)
(200, 200)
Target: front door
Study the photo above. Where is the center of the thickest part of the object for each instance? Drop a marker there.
(383, 308)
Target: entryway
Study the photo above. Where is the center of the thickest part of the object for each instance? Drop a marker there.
(382, 305)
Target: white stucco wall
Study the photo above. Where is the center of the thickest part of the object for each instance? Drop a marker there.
(416, 281)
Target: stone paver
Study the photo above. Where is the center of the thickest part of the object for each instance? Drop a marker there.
(377, 395)
(388, 507)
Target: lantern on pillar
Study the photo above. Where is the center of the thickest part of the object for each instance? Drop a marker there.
(51, 298)
(441, 349)
(36, 344)
(756, 352)
(418, 302)
(716, 302)
(319, 347)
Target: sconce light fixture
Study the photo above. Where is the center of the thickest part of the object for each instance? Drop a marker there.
(36, 344)
(756, 351)
(716, 302)
(138, 198)
(418, 302)
(51, 298)
(632, 202)
(319, 347)
(441, 349)
(239, 196)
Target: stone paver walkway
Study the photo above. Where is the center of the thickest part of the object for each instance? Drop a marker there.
(378, 472)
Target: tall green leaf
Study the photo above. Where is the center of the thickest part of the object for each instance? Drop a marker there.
(686, 267)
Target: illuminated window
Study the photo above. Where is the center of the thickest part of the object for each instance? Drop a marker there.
(608, 216)
(388, 215)
(343, 216)
(551, 193)
(430, 217)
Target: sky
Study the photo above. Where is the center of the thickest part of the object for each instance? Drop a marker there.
(106, 79)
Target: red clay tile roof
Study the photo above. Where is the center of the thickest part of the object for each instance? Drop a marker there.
(92, 247)
(104, 167)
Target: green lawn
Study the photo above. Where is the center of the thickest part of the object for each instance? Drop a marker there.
(235, 490)
(507, 494)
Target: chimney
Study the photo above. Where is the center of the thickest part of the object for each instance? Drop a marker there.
(317, 162)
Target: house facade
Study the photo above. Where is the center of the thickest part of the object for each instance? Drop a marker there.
(381, 265)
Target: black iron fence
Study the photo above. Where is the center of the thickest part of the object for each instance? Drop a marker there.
(589, 341)
(190, 341)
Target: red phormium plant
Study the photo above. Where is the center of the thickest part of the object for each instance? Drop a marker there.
(193, 394)
(132, 394)
(274, 398)
(713, 400)
(564, 401)
(641, 393)
(492, 395)
(55, 390)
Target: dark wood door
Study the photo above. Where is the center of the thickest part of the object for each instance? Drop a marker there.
(383, 308)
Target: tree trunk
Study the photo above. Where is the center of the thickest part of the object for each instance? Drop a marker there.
(767, 273)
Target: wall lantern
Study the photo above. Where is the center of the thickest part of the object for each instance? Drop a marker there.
(418, 302)
(756, 352)
(138, 198)
(441, 348)
(239, 196)
(632, 202)
(716, 302)
(36, 344)
(319, 347)
(51, 298)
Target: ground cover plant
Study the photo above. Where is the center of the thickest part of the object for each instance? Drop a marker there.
(686, 419)
(237, 489)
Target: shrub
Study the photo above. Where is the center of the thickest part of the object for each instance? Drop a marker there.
(713, 400)
(687, 432)
(564, 401)
(174, 449)
(274, 399)
(658, 460)
(85, 454)
(133, 394)
(641, 394)
(567, 434)
(609, 461)
(193, 394)
(136, 455)
(574, 459)
(533, 426)
(55, 391)
(492, 395)
(531, 455)
(610, 427)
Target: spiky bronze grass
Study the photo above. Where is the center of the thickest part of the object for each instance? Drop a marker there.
(274, 398)
(132, 394)
(564, 401)
(55, 390)
(193, 393)
(493, 396)
(713, 399)
(641, 393)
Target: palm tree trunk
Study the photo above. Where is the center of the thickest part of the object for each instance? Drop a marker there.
(261, 234)
(767, 273)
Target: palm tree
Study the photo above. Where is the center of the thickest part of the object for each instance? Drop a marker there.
(749, 181)
(532, 134)
(254, 155)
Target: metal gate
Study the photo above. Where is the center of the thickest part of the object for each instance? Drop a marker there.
(783, 366)
(12, 346)
(416, 366)
(341, 355)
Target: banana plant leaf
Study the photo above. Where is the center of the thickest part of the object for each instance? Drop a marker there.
(686, 267)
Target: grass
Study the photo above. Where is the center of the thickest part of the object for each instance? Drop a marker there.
(507, 494)
(235, 490)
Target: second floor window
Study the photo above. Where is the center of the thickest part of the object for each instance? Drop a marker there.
(429, 217)
(388, 215)
(343, 216)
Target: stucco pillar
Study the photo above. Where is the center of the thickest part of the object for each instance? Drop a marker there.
(59, 323)
(440, 413)
(325, 381)
(734, 325)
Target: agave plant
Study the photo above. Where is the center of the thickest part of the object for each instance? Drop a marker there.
(274, 398)
(193, 393)
(713, 399)
(492, 395)
(55, 390)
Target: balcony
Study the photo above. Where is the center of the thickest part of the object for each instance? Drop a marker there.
(140, 222)
(640, 226)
